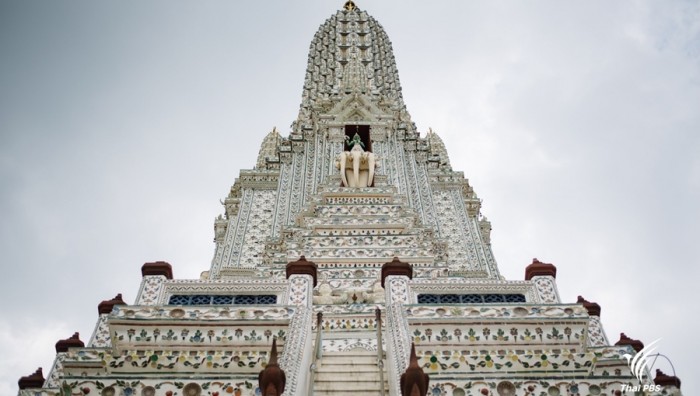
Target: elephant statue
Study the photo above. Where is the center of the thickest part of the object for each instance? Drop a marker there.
(357, 167)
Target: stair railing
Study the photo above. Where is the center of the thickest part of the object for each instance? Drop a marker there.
(380, 350)
(318, 353)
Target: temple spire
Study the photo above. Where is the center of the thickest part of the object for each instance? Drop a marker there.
(350, 56)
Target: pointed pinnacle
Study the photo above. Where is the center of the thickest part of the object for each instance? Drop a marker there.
(413, 360)
(273, 352)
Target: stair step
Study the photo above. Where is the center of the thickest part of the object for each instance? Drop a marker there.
(345, 369)
(348, 373)
(347, 376)
(350, 386)
(346, 393)
(347, 362)
(356, 359)
(336, 355)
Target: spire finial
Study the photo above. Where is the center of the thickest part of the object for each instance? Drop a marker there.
(350, 5)
(273, 351)
(272, 379)
(413, 360)
(414, 381)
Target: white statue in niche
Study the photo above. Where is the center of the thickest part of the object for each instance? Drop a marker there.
(325, 296)
(375, 295)
(363, 164)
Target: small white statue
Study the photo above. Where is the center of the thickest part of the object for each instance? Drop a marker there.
(326, 296)
(376, 295)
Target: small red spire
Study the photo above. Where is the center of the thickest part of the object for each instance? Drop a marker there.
(592, 307)
(272, 379)
(414, 382)
(273, 352)
(413, 359)
(35, 380)
(396, 267)
(302, 267)
(635, 344)
(157, 268)
(538, 268)
(70, 342)
(106, 306)
(666, 380)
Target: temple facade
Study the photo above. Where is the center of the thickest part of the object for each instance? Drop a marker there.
(350, 240)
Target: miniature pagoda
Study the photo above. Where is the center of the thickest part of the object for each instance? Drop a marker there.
(351, 259)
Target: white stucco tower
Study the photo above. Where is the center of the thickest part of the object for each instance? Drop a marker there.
(357, 216)
(424, 210)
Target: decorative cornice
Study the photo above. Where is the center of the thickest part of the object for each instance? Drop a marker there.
(524, 312)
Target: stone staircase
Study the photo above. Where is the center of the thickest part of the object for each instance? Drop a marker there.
(349, 373)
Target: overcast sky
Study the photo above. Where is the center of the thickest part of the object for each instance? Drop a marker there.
(123, 123)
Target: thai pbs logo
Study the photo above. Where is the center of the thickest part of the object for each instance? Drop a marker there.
(639, 364)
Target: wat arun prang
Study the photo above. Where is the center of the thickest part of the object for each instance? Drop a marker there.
(356, 216)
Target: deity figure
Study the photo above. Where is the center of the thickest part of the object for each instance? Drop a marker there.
(355, 140)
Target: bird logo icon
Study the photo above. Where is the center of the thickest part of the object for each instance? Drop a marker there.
(638, 363)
